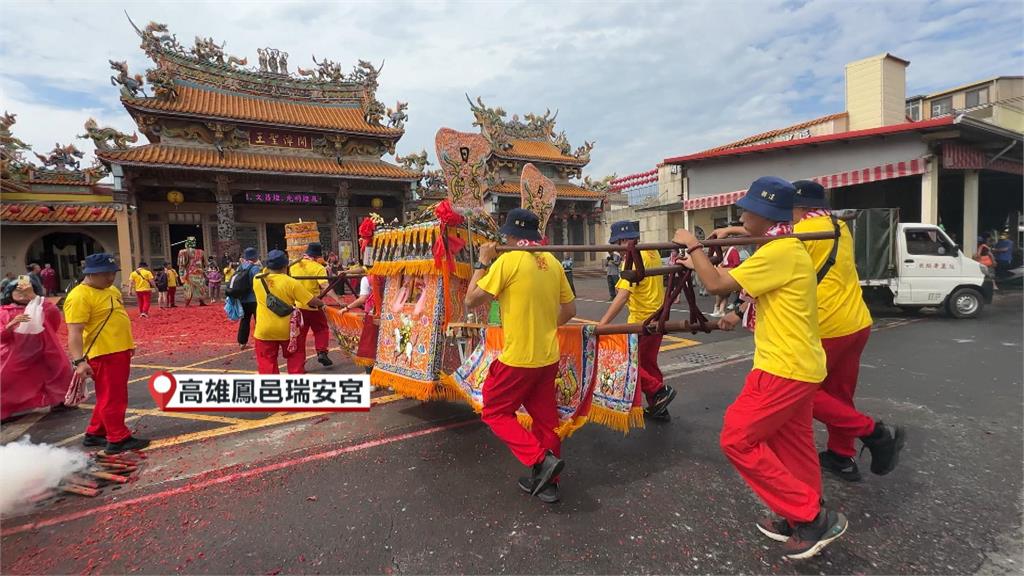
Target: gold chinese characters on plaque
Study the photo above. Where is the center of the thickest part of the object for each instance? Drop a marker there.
(279, 139)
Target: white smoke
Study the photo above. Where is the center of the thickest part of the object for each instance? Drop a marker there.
(31, 469)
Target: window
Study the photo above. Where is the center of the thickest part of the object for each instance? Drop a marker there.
(942, 106)
(977, 97)
(183, 218)
(929, 242)
(914, 110)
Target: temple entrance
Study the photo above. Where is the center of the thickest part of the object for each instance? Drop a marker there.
(178, 234)
(65, 252)
(275, 237)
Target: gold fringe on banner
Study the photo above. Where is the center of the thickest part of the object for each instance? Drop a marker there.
(363, 362)
(416, 389)
(617, 420)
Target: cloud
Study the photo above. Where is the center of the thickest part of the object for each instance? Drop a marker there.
(646, 80)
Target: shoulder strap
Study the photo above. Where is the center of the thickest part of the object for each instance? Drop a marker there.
(831, 260)
(97, 335)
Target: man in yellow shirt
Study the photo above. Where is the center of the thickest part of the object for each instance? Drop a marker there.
(644, 298)
(273, 328)
(535, 299)
(311, 264)
(142, 283)
(845, 324)
(173, 281)
(767, 432)
(101, 346)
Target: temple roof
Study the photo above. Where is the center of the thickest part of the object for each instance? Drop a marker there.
(563, 191)
(161, 155)
(531, 138)
(521, 149)
(194, 100)
(67, 214)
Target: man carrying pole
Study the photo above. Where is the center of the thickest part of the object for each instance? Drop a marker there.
(767, 431)
(845, 324)
(311, 264)
(535, 299)
(643, 298)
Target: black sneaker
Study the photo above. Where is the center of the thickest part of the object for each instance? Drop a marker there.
(884, 444)
(127, 445)
(839, 466)
(810, 538)
(776, 528)
(661, 399)
(548, 494)
(94, 440)
(662, 416)
(322, 358)
(544, 471)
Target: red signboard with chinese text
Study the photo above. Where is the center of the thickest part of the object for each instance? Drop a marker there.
(260, 137)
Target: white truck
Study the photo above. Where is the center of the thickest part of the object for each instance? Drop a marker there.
(912, 265)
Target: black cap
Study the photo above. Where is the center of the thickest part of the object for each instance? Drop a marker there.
(521, 223)
(809, 194)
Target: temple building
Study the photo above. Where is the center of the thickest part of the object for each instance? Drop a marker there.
(578, 214)
(237, 151)
(56, 213)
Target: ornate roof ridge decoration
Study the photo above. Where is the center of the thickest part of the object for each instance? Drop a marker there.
(207, 63)
(502, 133)
(62, 165)
(13, 165)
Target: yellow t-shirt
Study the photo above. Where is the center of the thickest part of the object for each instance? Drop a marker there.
(530, 288)
(228, 273)
(841, 307)
(91, 306)
(646, 296)
(309, 267)
(172, 278)
(141, 279)
(786, 342)
(270, 326)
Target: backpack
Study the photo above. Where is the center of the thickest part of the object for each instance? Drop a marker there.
(161, 281)
(240, 284)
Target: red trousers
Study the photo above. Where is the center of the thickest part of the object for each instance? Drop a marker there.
(170, 295)
(317, 321)
(505, 390)
(833, 404)
(145, 299)
(767, 435)
(266, 357)
(651, 379)
(110, 377)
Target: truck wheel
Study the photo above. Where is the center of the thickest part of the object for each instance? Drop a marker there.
(964, 303)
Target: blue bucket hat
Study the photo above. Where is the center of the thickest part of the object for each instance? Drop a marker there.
(809, 194)
(249, 253)
(277, 259)
(769, 197)
(315, 249)
(624, 230)
(100, 263)
(521, 223)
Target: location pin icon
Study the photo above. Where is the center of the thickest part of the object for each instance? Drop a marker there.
(161, 388)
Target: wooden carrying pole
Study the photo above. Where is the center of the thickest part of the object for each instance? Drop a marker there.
(736, 241)
(670, 326)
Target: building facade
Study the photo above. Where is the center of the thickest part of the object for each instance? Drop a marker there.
(958, 166)
(235, 152)
(56, 213)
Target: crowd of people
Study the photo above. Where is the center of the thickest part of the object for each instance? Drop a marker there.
(801, 300)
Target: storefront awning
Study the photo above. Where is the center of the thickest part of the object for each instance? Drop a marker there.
(839, 180)
(960, 156)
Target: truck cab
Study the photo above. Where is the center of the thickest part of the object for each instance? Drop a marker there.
(917, 265)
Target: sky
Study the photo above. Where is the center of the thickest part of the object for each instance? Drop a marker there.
(645, 80)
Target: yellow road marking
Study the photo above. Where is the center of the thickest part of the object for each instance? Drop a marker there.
(683, 344)
(67, 441)
(184, 415)
(16, 429)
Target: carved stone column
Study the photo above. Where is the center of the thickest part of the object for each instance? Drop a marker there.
(342, 223)
(226, 243)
